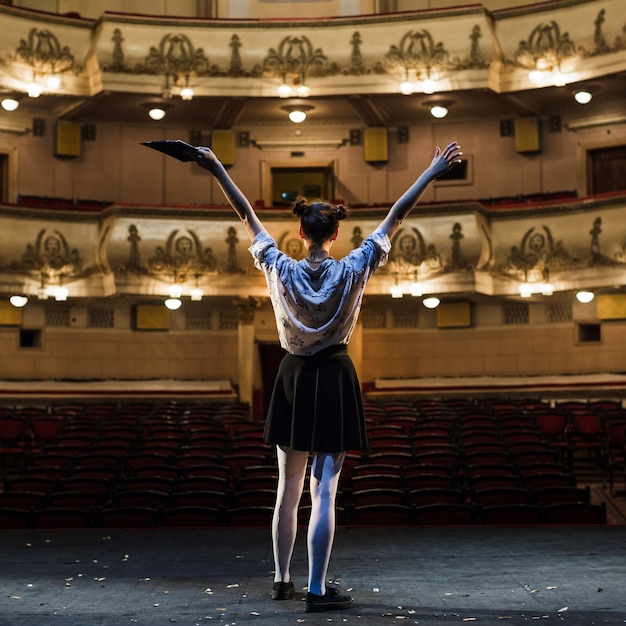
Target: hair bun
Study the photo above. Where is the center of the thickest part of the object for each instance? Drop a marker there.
(300, 206)
(342, 212)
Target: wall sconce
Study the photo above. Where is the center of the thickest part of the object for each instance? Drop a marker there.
(34, 90)
(18, 301)
(547, 288)
(175, 291)
(396, 290)
(585, 297)
(10, 104)
(416, 289)
(196, 293)
(545, 73)
(412, 83)
(285, 90)
(407, 86)
(432, 302)
(42, 291)
(297, 112)
(53, 82)
(428, 85)
(438, 108)
(525, 290)
(186, 93)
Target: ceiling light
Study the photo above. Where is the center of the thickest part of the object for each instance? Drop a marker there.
(431, 302)
(61, 293)
(583, 96)
(585, 296)
(438, 108)
(297, 112)
(173, 304)
(10, 104)
(156, 113)
(156, 110)
(18, 301)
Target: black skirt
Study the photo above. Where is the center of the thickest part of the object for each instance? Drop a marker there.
(316, 404)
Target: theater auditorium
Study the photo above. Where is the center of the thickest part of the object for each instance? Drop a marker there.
(139, 347)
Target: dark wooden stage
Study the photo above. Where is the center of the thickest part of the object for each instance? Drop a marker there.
(566, 575)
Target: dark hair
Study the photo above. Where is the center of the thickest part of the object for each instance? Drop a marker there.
(319, 219)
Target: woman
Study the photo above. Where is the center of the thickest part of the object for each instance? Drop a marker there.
(316, 403)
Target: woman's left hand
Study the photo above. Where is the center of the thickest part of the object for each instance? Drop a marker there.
(446, 158)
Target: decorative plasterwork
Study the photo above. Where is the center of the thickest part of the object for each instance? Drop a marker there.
(545, 48)
(455, 249)
(469, 47)
(44, 53)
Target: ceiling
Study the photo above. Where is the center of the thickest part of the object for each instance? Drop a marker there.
(206, 113)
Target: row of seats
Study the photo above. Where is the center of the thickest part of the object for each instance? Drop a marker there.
(441, 514)
(422, 453)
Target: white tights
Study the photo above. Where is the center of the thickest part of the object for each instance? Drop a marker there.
(325, 470)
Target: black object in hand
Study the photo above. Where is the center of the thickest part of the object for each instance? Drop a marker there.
(176, 148)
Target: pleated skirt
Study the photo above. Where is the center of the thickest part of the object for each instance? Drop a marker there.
(316, 403)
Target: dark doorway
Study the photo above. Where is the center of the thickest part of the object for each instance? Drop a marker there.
(606, 169)
(310, 182)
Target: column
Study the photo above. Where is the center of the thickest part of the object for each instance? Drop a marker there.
(246, 357)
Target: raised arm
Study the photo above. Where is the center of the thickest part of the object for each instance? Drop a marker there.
(236, 199)
(441, 163)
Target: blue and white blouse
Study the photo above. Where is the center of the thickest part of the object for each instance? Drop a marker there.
(317, 308)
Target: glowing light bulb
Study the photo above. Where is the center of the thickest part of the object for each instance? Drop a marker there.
(34, 90)
(438, 111)
(583, 97)
(186, 93)
(585, 296)
(53, 82)
(284, 90)
(173, 304)
(10, 104)
(431, 303)
(196, 294)
(156, 113)
(406, 88)
(429, 86)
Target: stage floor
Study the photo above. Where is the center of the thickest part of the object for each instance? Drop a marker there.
(429, 576)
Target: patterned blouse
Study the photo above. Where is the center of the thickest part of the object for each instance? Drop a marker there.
(317, 308)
